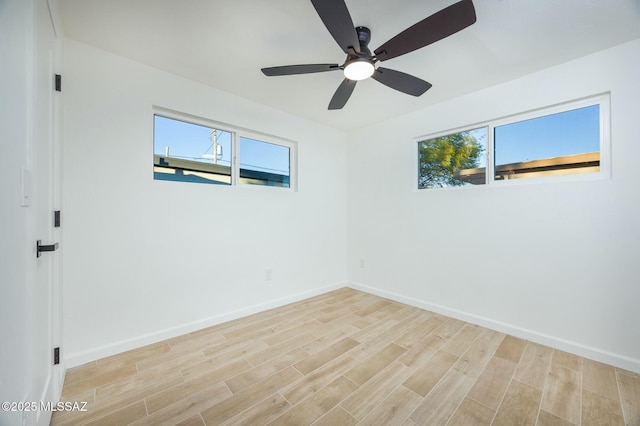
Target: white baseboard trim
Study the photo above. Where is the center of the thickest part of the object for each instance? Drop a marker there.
(595, 354)
(79, 358)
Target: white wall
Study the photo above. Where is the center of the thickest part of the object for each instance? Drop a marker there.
(16, 273)
(145, 260)
(556, 263)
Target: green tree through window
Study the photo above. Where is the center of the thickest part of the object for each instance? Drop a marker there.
(440, 158)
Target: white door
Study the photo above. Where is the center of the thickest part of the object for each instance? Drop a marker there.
(46, 195)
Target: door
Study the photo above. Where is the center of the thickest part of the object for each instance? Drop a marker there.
(45, 168)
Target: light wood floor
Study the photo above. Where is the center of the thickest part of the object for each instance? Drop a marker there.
(345, 358)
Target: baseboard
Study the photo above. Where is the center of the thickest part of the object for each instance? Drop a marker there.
(76, 359)
(595, 354)
(79, 358)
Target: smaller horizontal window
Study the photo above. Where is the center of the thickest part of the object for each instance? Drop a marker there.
(187, 151)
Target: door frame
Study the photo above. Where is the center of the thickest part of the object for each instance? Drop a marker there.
(44, 154)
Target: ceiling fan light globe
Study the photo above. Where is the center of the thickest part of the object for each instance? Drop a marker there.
(358, 70)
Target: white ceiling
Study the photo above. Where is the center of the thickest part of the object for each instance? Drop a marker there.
(224, 43)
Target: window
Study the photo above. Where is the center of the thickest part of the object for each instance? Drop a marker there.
(194, 150)
(563, 143)
(264, 163)
(447, 160)
(570, 139)
(189, 152)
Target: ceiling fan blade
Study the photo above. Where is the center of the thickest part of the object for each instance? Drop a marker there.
(337, 19)
(441, 24)
(299, 69)
(343, 94)
(400, 81)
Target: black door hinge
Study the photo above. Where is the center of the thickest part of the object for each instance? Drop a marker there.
(58, 83)
(56, 356)
(56, 219)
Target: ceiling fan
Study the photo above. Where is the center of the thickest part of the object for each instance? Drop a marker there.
(360, 62)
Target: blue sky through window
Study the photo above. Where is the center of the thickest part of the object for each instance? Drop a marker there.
(566, 133)
(263, 156)
(195, 142)
(189, 141)
(481, 138)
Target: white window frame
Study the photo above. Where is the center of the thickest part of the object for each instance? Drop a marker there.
(236, 133)
(602, 100)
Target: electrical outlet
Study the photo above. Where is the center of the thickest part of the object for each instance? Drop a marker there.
(362, 263)
(268, 274)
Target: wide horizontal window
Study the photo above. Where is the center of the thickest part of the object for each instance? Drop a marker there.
(566, 140)
(200, 152)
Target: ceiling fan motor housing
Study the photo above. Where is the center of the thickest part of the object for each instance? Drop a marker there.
(364, 36)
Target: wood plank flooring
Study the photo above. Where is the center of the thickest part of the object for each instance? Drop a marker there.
(346, 358)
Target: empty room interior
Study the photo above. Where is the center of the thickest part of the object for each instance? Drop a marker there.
(207, 219)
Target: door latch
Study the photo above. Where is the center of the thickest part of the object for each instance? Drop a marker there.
(42, 247)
